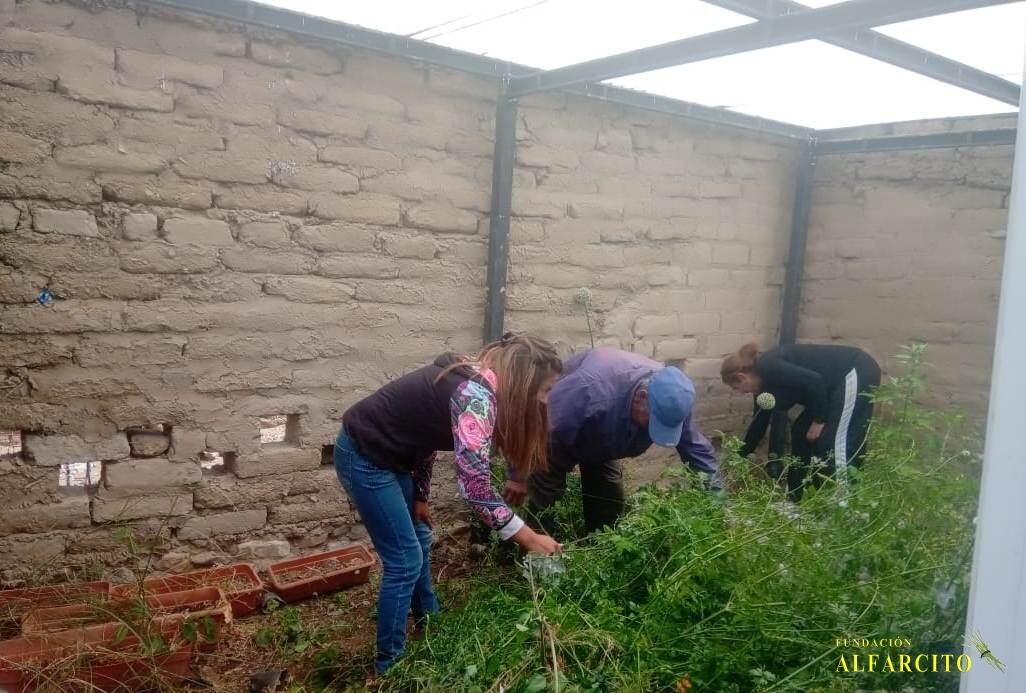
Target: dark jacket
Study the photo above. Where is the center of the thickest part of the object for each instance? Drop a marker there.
(406, 421)
(590, 412)
(800, 374)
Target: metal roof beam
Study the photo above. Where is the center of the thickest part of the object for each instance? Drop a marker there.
(889, 50)
(775, 31)
(940, 140)
(297, 23)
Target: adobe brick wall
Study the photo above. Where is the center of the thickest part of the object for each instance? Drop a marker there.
(908, 246)
(678, 230)
(235, 224)
(232, 226)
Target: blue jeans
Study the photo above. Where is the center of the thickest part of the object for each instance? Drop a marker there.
(385, 501)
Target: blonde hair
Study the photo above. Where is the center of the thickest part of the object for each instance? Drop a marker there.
(522, 364)
(742, 361)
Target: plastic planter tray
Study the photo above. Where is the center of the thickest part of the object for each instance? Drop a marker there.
(14, 604)
(321, 573)
(239, 581)
(91, 659)
(169, 611)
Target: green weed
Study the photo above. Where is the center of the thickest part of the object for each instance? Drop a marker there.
(751, 594)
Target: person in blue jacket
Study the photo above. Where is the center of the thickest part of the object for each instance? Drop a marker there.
(607, 406)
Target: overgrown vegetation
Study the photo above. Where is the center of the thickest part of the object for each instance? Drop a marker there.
(285, 634)
(691, 592)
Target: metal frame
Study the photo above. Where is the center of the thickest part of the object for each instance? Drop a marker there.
(943, 140)
(799, 240)
(774, 31)
(502, 202)
(879, 46)
(781, 21)
(297, 23)
(791, 304)
(256, 14)
(997, 593)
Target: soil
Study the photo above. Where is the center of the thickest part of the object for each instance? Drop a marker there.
(129, 613)
(234, 584)
(231, 584)
(316, 570)
(189, 609)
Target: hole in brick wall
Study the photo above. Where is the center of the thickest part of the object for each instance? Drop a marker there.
(79, 477)
(272, 429)
(327, 454)
(10, 443)
(282, 428)
(216, 463)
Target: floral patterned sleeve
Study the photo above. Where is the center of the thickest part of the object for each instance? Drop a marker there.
(422, 477)
(473, 420)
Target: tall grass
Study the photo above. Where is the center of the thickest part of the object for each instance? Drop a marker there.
(694, 592)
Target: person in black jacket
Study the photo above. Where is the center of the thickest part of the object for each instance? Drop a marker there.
(491, 404)
(832, 383)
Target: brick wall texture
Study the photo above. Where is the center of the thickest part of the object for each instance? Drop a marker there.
(907, 247)
(234, 224)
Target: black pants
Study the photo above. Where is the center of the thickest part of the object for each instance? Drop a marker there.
(843, 440)
(601, 488)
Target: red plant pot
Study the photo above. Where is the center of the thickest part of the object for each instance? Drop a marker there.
(170, 611)
(14, 604)
(95, 658)
(239, 582)
(321, 573)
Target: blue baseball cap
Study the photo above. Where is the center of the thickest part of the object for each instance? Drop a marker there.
(671, 396)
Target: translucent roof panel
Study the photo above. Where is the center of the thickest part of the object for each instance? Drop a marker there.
(813, 84)
(808, 83)
(541, 33)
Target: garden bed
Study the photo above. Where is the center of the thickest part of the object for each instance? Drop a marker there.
(95, 658)
(321, 573)
(240, 583)
(15, 603)
(171, 609)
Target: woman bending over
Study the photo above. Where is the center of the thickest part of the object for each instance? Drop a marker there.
(832, 383)
(493, 403)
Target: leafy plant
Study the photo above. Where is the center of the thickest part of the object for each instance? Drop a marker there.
(286, 634)
(744, 595)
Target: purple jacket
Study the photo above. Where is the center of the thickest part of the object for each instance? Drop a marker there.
(590, 412)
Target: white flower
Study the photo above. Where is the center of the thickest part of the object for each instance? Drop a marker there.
(766, 401)
(583, 296)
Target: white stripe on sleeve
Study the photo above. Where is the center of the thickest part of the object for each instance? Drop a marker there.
(851, 392)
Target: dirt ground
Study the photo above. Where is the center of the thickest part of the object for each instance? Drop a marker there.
(341, 625)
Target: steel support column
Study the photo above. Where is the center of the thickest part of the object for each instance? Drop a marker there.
(502, 202)
(796, 252)
(779, 423)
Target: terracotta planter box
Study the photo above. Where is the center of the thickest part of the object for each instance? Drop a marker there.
(96, 658)
(321, 573)
(170, 611)
(14, 604)
(239, 582)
